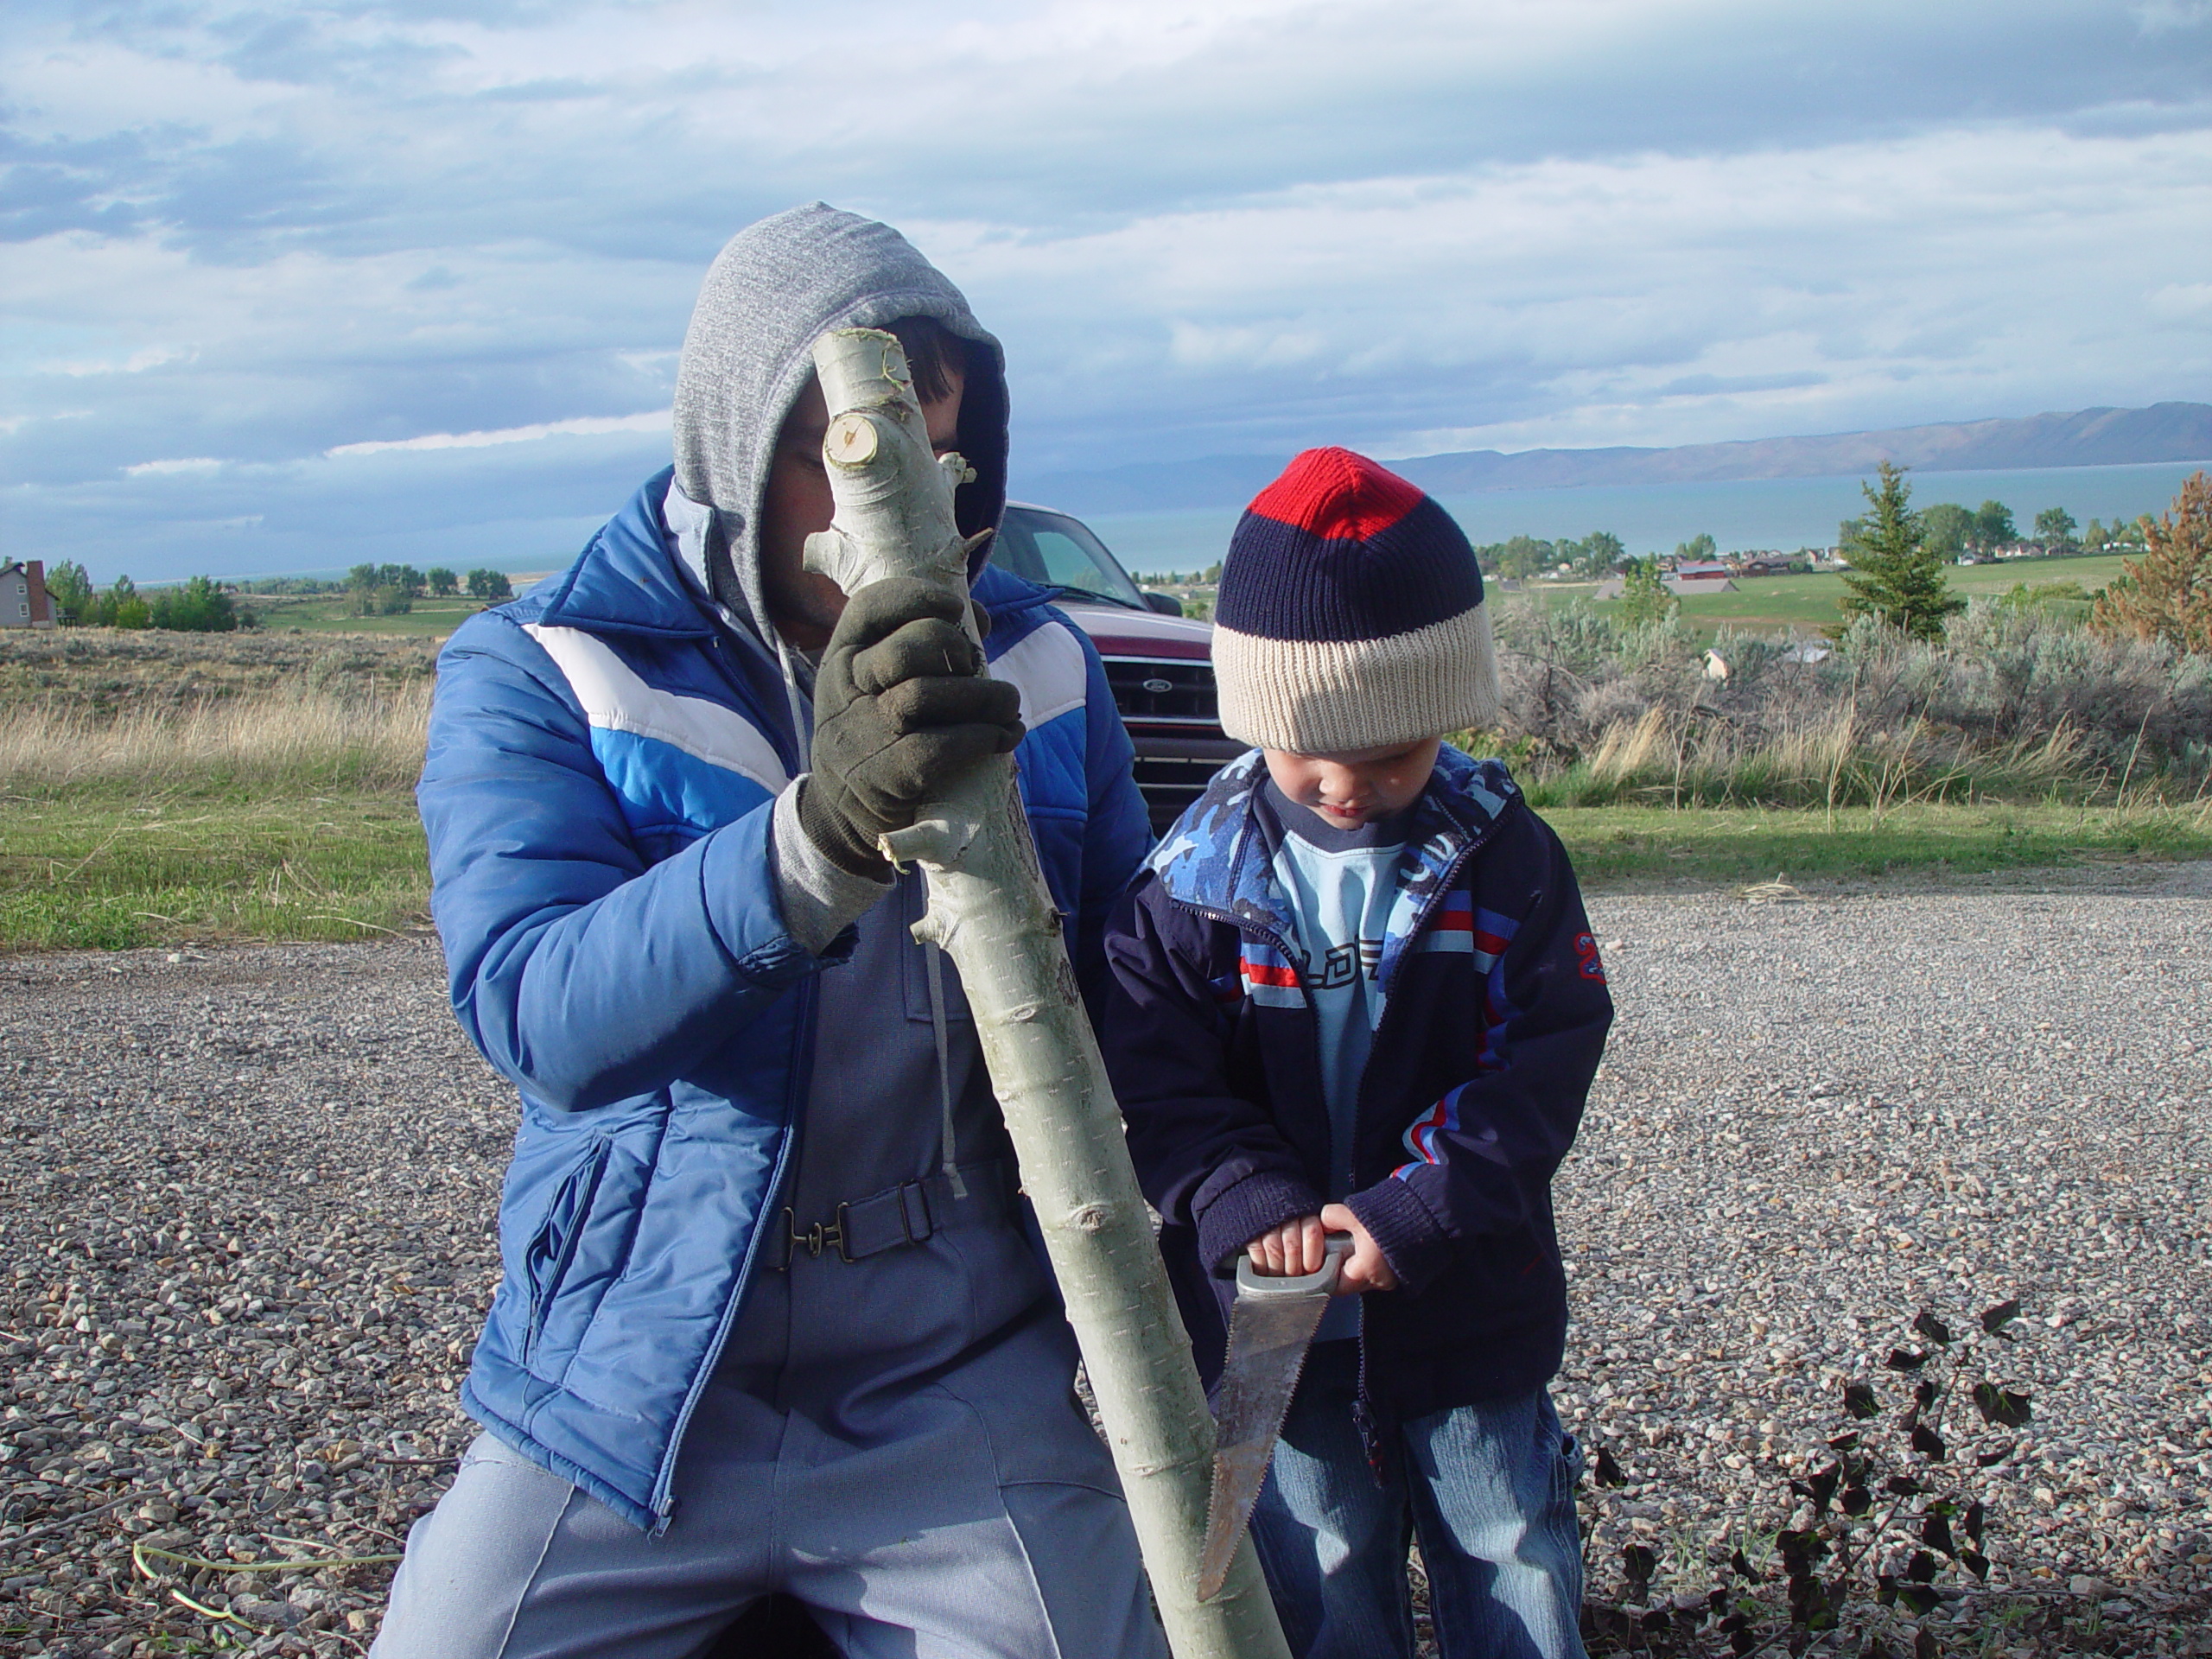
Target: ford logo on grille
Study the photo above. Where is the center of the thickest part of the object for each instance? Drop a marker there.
(1159, 687)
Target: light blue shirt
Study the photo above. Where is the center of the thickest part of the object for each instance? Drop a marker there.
(1340, 885)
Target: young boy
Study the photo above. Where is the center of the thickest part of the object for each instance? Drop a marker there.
(1354, 991)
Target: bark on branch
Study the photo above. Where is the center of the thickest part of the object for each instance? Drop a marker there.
(990, 908)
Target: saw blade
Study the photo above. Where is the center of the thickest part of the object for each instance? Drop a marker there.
(1271, 1325)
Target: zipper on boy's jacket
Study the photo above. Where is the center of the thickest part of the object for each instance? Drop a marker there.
(1444, 885)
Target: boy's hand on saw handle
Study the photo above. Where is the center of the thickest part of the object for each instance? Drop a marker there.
(901, 715)
(1301, 1246)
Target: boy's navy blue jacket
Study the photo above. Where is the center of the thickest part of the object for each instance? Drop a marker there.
(1494, 1019)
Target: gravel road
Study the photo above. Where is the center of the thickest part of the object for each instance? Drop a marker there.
(245, 1240)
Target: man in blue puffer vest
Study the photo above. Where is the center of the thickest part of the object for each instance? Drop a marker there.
(770, 1320)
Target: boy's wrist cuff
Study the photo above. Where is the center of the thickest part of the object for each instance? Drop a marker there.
(1241, 1213)
(1403, 1230)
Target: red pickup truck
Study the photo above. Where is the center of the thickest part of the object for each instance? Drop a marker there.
(1158, 661)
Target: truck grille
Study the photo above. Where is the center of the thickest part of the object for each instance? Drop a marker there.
(1163, 689)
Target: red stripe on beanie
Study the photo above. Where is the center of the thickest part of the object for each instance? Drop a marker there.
(1338, 495)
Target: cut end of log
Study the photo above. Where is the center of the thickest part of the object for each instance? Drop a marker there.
(851, 440)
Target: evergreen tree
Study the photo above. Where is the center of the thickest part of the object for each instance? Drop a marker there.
(1894, 574)
(2167, 594)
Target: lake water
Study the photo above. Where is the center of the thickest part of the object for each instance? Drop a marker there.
(1742, 516)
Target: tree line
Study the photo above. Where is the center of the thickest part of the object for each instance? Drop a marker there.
(1952, 531)
(202, 605)
(392, 589)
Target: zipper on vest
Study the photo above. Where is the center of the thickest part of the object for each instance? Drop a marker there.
(662, 1501)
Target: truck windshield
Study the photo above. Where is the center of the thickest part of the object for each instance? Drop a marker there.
(1054, 551)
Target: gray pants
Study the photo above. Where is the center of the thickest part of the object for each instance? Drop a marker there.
(968, 1513)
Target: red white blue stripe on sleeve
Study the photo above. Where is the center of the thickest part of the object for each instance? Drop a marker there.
(1268, 978)
(1459, 926)
(1421, 1139)
(1485, 934)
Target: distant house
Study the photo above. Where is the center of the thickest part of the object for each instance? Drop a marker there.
(23, 595)
(1684, 586)
(1701, 569)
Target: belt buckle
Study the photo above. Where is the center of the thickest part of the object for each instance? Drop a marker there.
(818, 1237)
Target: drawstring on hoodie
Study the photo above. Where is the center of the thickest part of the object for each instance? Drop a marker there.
(802, 728)
(935, 958)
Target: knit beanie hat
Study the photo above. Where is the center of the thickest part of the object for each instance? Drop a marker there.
(1349, 615)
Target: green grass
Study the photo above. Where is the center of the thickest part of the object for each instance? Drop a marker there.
(431, 618)
(102, 870)
(1640, 847)
(98, 870)
(1807, 603)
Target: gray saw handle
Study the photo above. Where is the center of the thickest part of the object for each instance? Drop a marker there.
(1250, 1282)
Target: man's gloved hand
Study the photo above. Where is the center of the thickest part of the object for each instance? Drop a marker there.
(900, 714)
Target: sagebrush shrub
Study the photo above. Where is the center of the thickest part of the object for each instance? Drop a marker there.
(2011, 701)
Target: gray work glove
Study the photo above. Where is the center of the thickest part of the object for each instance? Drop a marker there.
(901, 715)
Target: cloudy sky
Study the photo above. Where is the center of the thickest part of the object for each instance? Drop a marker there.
(283, 286)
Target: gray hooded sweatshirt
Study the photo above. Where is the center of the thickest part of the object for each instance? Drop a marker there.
(897, 1089)
(776, 289)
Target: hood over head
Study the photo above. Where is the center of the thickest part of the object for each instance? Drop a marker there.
(775, 289)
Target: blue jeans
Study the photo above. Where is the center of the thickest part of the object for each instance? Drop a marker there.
(1487, 1488)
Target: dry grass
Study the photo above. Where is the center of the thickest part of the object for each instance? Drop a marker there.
(287, 737)
(2013, 703)
(105, 672)
(163, 790)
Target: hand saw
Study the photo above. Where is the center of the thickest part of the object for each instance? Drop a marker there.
(1271, 1325)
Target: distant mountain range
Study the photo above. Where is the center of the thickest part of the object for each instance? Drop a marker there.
(2089, 437)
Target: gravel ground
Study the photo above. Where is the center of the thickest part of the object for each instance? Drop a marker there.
(245, 1240)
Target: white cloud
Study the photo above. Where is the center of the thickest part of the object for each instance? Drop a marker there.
(1656, 299)
(581, 426)
(2182, 300)
(149, 357)
(171, 468)
(1233, 227)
